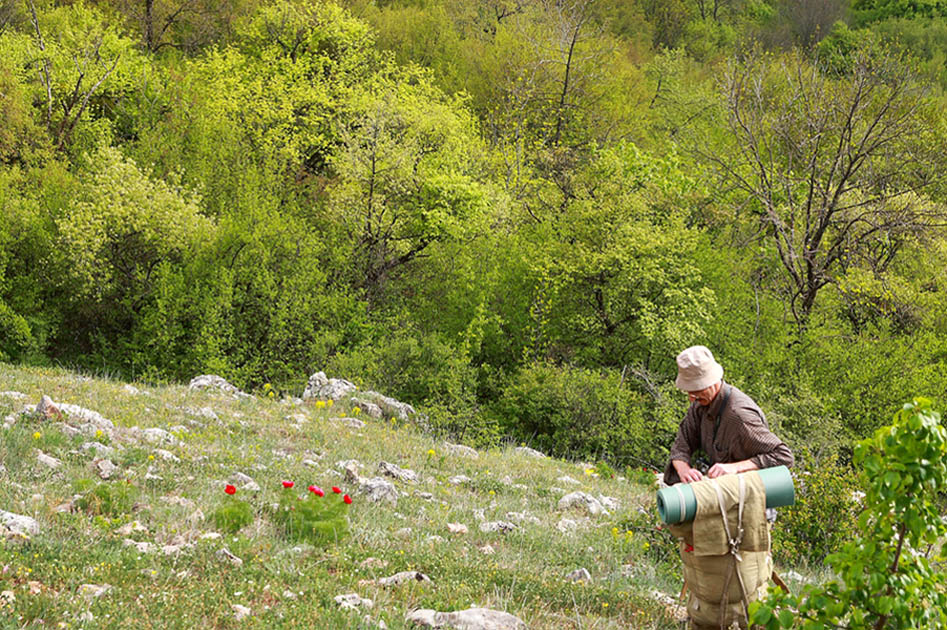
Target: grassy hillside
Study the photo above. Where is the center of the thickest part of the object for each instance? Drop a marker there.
(172, 485)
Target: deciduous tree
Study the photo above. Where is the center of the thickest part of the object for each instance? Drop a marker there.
(835, 168)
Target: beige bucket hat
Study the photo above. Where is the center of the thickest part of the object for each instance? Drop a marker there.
(697, 369)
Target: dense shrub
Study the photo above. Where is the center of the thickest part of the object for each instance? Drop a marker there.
(575, 412)
(884, 576)
(109, 499)
(824, 515)
(318, 518)
(415, 367)
(233, 514)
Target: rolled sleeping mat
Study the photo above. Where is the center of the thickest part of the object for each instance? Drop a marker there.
(677, 503)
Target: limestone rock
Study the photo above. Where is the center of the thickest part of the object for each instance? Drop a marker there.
(371, 409)
(392, 407)
(457, 480)
(212, 381)
(402, 577)
(47, 408)
(225, 555)
(141, 547)
(68, 430)
(104, 468)
(609, 503)
(245, 482)
(460, 449)
(457, 528)
(403, 474)
(529, 452)
(99, 448)
(582, 501)
(580, 575)
(521, 517)
(497, 526)
(671, 605)
(320, 386)
(131, 528)
(84, 416)
(377, 489)
(353, 601)
(18, 525)
(46, 460)
(167, 456)
(158, 436)
(373, 563)
(470, 619)
(201, 412)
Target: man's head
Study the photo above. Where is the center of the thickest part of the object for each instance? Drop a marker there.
(698, 374)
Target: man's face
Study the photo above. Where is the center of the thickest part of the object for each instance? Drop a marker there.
(704, 396)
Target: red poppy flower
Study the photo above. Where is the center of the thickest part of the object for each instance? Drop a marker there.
(288, 484)
(336, 489)
(230, 489)
(347, 499)
(689, 548)
(316, 490)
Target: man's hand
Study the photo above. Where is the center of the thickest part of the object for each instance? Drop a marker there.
(690, 475)
(719, 470)
(685, 472)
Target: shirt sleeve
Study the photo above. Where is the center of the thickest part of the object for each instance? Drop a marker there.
(688, 437)
(759, 444)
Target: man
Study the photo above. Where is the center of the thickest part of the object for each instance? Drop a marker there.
(722, 422)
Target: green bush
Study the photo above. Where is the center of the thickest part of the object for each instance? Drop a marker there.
(824, 515)
(418, 368)
(580, 413)
(109, 499)
(232, 516)
(884, 575)
(320, 520)
(468, 425)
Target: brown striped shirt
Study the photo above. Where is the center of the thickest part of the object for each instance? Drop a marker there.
(743, 434)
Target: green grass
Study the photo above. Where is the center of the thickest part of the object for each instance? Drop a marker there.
(287, 583)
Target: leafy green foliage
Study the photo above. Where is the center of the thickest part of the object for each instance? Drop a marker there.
(318, 520)
(580, 413)
(232, 515)
(871, 10)
(886, 577)
(823, 517)
(113, 498)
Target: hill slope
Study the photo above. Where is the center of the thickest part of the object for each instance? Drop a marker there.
(140, 549)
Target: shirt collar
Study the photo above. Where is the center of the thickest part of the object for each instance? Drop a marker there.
(714, 407)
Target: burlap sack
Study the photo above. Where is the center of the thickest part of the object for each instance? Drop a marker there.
(706, 556)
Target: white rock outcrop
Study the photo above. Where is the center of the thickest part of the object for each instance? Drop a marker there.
(470, 619)
(582, 501)
(18, 525)
(320, 386)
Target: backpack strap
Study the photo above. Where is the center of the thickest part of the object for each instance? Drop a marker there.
(734, 546)
(723, 405)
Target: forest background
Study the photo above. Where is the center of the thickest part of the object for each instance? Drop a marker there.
(511, 213)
